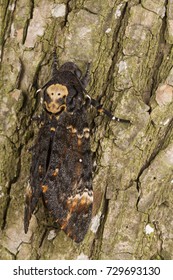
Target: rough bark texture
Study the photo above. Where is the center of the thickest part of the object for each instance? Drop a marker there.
(130, 46)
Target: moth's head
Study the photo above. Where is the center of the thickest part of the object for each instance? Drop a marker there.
(71, 67)
(55, 98)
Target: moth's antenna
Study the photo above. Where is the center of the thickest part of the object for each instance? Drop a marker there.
(55, 63)
(54, 69)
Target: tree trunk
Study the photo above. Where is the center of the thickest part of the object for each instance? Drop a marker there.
(130, 46)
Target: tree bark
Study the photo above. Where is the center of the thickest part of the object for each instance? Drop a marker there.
(130, 46)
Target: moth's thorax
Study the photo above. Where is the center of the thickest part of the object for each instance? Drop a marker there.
(55, 98)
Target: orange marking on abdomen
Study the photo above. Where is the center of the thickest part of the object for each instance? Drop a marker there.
(55, 173)
(44, 188)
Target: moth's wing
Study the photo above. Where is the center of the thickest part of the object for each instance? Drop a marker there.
(67, 187)
(40, 156)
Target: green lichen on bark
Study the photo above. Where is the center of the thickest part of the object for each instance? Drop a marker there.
(129, 44)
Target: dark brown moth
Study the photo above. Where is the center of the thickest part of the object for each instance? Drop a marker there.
(61, 168)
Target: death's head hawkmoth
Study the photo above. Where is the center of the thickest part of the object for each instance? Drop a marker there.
(61, 168)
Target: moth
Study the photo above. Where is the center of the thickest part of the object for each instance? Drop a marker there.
(61, 168)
